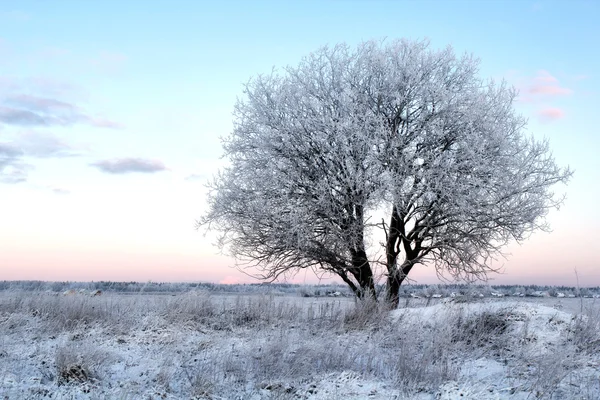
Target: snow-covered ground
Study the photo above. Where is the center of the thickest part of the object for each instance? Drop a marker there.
(197, 346)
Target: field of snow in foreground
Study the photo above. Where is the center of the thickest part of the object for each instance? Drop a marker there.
(198, 346)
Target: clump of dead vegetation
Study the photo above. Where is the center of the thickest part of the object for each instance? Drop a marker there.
(79, 363)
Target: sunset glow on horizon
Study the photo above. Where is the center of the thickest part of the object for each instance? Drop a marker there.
(111, 118)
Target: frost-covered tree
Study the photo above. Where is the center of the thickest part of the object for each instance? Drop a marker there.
(319, 149)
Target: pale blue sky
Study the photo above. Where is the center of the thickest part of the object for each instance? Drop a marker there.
(83, 83)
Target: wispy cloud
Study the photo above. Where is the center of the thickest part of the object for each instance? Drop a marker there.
(46, 86)
(543, 93)
(545, 77)
(542, 87)
(42, 104)
(58, 190)
(31, 111)
(8, 154)
(550, 90)
(15, 116)
(18, 87)
(551, 114)
(29, 144)
(129, 165)
(15, 173)
(12, 167)
(196, 177)
(43, 145)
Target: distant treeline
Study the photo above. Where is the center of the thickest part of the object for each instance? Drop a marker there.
(158, 287)
(136, 287)
(306, 290)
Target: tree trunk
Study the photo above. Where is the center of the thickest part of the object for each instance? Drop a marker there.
(361, 269)
(396, 236)
(392, 251)
(393, 289)
(394, 281)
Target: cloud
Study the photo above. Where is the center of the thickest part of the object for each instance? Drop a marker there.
(543, 93)
(545, 76)
(196, 177)
(8, 154)
(27, 110)
(552, 90)
(30, 111)
(12, 168)
(128, 165)
(38, 102)
(43, 145)
(13, 116)
(544, 85)
(60, 191)
(15, 173)
(45, 86)
(41, 104)
(551, 114)
(40, 86)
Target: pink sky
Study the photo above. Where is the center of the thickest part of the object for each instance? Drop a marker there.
(110, 124)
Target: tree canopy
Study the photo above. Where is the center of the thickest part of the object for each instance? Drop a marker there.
(317, 150)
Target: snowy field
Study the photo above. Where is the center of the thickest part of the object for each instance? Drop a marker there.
(200, 346)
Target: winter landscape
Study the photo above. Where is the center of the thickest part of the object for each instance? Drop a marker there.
(296, 342)
(299, 200)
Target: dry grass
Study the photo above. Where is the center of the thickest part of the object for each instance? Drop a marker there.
(586, 330)
(203, 346)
